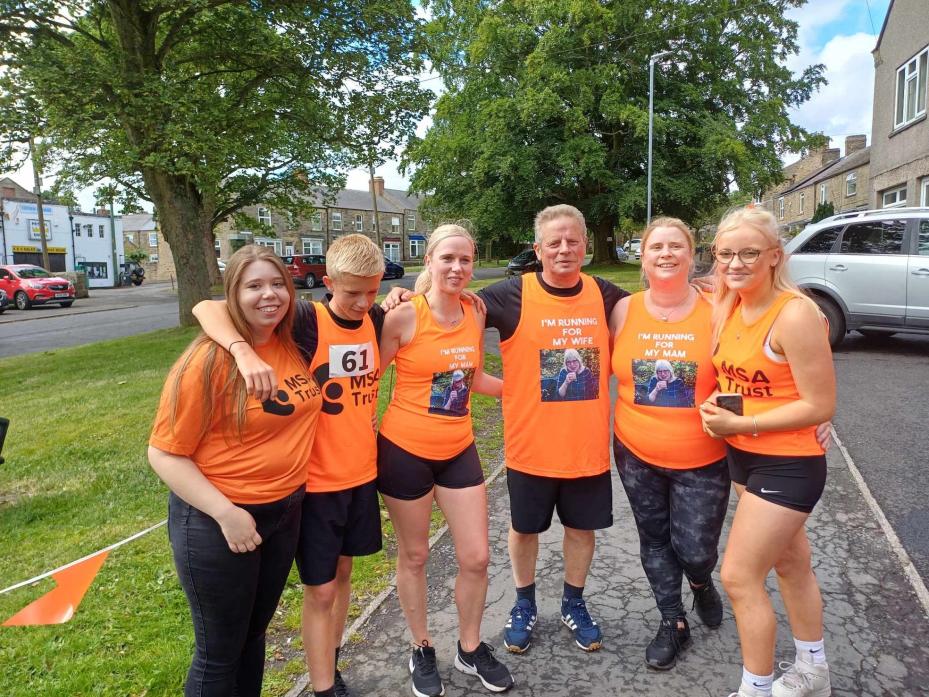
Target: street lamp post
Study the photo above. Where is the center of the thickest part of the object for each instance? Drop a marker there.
(654, 58)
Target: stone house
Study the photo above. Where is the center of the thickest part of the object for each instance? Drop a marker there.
(900, 129)
(142, 233)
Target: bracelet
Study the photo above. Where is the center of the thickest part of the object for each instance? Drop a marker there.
(240, 341)
(754, 428)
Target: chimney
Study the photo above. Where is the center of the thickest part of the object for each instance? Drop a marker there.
(103, 211)
(855, 143)
(830, 155)
(377, 186)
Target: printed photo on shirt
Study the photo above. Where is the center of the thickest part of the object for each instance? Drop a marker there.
(661, 383)
(450, 392)
(569, 375)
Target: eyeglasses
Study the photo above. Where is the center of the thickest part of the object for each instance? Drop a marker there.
(746, 256)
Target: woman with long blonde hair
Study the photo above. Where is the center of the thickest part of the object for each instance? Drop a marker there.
(772, 351)
(426, 453)
(236, 468)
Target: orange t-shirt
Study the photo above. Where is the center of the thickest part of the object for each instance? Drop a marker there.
(657, 416)
(430, 413)
(743, 367)
(556, 425)
(271, 459)
(347, 364)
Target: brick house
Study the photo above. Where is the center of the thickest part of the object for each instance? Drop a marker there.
(900, 129)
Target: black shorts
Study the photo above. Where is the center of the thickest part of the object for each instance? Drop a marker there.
(794, 481)
(585, 503)
(403, 475)
(337, 523)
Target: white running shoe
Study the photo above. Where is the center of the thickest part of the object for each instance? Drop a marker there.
(803, 679)
(746, 691)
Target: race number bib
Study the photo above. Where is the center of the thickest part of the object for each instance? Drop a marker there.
(347, 360)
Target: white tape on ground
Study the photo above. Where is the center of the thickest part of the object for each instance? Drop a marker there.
(909, 569)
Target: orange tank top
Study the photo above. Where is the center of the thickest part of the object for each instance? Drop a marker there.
(430, 413)
(347, 367)
(744, 367)
(657, 416)
(556, 400)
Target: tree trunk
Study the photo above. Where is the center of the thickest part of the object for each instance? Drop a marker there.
(186, 226)
(604, 240)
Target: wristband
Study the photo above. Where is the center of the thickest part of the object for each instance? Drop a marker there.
(243, 341)
(754, 428)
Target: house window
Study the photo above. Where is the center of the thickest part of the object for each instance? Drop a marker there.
(359, 222)
(336, 220)
(89, 231)
(392, 251)
(417, 248)
(894, 198)
(268, 242)
(822, 193)
(153, 258)
(77, 231)
(911, 89)
(851, 184)
(316, 222)
(100, 230)
(802, 201)
(395, 224)
(780, 208)
(217, 245)
(153, 239)
(312, 245)
(411, 223)
(264, 216)
(130, 237)
(925, 193)
(289, 250)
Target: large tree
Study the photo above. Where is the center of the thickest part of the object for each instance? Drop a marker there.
(547, 102)
(204, 107)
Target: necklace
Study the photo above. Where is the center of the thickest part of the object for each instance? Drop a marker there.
(666, 316)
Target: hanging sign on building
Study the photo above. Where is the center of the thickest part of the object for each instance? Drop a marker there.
(34, 230)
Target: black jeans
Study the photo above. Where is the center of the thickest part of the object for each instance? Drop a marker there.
(679, 515)
(232, 597)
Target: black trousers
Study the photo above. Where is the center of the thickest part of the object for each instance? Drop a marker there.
(679, 515)
(232, 596)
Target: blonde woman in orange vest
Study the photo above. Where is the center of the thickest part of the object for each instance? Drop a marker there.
(426, 453)
(674, 474)
(772, 351)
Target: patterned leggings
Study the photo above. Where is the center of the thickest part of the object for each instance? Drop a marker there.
(679, 515)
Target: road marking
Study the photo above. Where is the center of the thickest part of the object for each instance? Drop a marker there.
(909, 570)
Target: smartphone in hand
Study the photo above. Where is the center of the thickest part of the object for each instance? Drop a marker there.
(730, 402)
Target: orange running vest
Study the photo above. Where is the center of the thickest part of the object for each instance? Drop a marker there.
(347, 366)
(546, 433)
(742, 367)
(666, 432)
(430, 413)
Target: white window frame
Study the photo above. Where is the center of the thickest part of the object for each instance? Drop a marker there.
(893, 195)
(264, 215)
(130, 237)
(153, 258)
(822, 193)
(925, 192)
(851, 184)
(910, 90)
(780, 208)
(312, 245)
(411, 223)
(288, 250)
(417, 249)
(218, 246)
(359, 222)
(316, 221)
(278, 245)
(392, 250)
(335, 220)
(802, 202)
(100, 229)
(395, 224)
(77, 231)
(153, 239)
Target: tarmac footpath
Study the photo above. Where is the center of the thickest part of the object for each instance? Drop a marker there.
(875, 625)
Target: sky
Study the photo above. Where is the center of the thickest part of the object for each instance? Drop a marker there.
(837, 33)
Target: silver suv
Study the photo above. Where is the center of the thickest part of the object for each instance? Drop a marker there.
(867, 271)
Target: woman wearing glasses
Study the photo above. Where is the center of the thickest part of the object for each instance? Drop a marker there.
(772, 349)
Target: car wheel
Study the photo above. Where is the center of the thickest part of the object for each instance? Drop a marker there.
(67, 304)
(22, 300)
(310, 280)
(835, 317)
(137, 281)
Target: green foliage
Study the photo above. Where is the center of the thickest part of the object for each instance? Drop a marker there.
(547, 102)
(823, 210)
(137, 256)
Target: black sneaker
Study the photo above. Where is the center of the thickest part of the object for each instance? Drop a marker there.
(482, 663)
(673, 636)
(425, 673)
(708, 604)
(341, 689)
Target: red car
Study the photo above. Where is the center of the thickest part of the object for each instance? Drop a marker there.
(307, 269)
(27, 285)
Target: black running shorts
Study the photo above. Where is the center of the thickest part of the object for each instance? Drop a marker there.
(584, 503)
(337, 523)
(793, 481)
(403, 475)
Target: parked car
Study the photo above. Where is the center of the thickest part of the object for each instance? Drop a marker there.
(868, 271)
(307, 269)
(524, 262)
(131, 272)
(621, 254)
(30, 285)
(4, 301)
(634, 247)
(221, 265)
(392, 269)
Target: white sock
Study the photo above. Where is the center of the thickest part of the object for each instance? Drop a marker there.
(759, 683)
(812, 651)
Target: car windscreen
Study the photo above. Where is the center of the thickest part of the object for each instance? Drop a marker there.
(33, 272)
(525, 256)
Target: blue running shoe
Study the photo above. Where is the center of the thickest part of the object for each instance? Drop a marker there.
(517, 635)
(574, 614)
